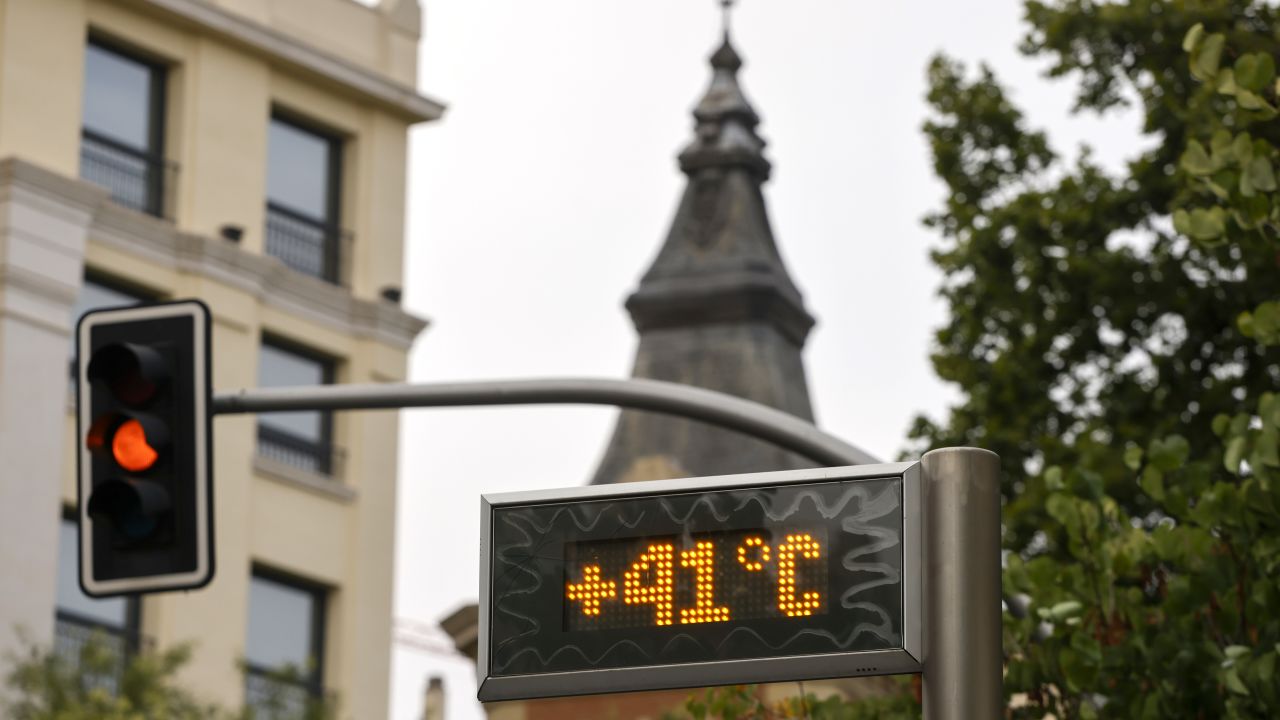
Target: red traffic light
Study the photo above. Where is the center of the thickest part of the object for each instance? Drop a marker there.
(142, 411)
(134, 441)
(130, 448)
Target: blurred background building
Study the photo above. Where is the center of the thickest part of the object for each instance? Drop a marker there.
(250, 153)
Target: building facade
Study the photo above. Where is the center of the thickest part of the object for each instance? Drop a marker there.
(250, 153)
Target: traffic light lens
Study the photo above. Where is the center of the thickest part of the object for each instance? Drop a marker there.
(133, 507)
(130, 448)
(130, 371)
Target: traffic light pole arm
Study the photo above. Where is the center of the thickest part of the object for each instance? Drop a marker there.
(715, 408)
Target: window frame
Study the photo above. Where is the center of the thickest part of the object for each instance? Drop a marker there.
(118, 284)
(319, 594)
(157, 98)
(330, 226)
(325, 449)
(336, 143)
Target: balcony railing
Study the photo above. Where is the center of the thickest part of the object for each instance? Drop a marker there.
(307, 245)
(284, 447)
(135, 179)
(280, 695)
(100, 652)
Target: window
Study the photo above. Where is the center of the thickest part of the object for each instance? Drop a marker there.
(122, 139)
(302, 199)
(301, 439)
(78, 618)
(96, 294)
(284, 647)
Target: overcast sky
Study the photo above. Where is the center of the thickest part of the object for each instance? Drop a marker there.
(539, 200)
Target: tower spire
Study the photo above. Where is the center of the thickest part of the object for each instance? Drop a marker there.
(725, 122)
(726, 13)
(717, 308)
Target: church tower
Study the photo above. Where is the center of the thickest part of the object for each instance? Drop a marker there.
(717, 308)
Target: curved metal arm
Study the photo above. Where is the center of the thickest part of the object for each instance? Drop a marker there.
(727, 411)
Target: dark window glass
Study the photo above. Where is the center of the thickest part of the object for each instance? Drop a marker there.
(302, 200)
(112, 623)
(121, 140)
(298, 170)
(282, 623)
(117, 97)
(302, 439)
(283, 647)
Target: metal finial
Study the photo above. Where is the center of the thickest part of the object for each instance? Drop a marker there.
(725, 58)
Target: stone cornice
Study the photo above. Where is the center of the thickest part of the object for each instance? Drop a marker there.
(264, 277)
(16, 172)
(707, 301)
(321, 485)
(402, 100)
(42, 238)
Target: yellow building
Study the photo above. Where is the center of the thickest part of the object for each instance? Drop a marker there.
(250, 153)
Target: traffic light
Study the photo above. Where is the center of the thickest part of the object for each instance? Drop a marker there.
(144, 464)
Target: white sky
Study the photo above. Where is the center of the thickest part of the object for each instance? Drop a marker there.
(539, 200)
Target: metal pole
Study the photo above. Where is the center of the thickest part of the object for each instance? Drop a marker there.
(963, 653)
(734, 413)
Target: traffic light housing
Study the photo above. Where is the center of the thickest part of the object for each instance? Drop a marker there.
(144, 436)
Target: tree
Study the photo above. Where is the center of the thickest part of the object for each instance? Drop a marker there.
(44, 685)
(1115, 339)
(1080, 320)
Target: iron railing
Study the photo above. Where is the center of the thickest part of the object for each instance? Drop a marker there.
(279, 695)
(99, 651)
(135, 179)
(307, 245)
(284, 447)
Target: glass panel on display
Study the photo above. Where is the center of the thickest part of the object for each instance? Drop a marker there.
(657, 585)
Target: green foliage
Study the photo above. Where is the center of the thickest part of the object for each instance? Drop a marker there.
(1081, 322)
(43, 685)
(1129, 386)
(1116, 338)
(743, 702)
